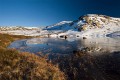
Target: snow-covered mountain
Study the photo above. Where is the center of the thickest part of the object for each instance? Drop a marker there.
(90, 25)
(63, 25)
(20, 30)
(87, 26)
(8, 28)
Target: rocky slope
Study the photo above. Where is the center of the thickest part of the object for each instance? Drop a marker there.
(87, 26)
(91, 25)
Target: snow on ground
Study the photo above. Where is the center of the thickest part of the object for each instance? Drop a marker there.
(27, 31)
(90, 25)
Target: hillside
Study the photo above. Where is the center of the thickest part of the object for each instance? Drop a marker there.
(15, 65)
(20, 30)
(91, 25)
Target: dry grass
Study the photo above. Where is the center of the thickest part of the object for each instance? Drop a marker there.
(24, 66)
(6, 39)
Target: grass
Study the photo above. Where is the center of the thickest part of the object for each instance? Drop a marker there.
(24, 66)
(6, 39)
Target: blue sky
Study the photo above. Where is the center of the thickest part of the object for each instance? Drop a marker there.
(47, 12)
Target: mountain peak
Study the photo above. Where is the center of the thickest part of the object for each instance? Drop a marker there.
(87, 25)
(63, 22)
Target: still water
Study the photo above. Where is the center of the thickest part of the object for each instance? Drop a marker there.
(61, 46)
(79, 59)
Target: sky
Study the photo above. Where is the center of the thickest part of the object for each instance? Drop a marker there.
(47, 12)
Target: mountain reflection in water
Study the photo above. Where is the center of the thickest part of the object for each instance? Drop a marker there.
(81, 59)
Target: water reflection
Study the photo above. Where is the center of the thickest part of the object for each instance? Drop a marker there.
(79, 59)
(102, 45)
(95, 46)
(82, 66)
(46, 45)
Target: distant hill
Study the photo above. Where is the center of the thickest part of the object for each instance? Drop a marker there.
(87, 26)
(90, 25)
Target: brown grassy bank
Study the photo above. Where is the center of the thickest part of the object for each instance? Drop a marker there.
(24, 66)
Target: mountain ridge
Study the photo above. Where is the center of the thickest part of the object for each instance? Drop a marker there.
(87, 26)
